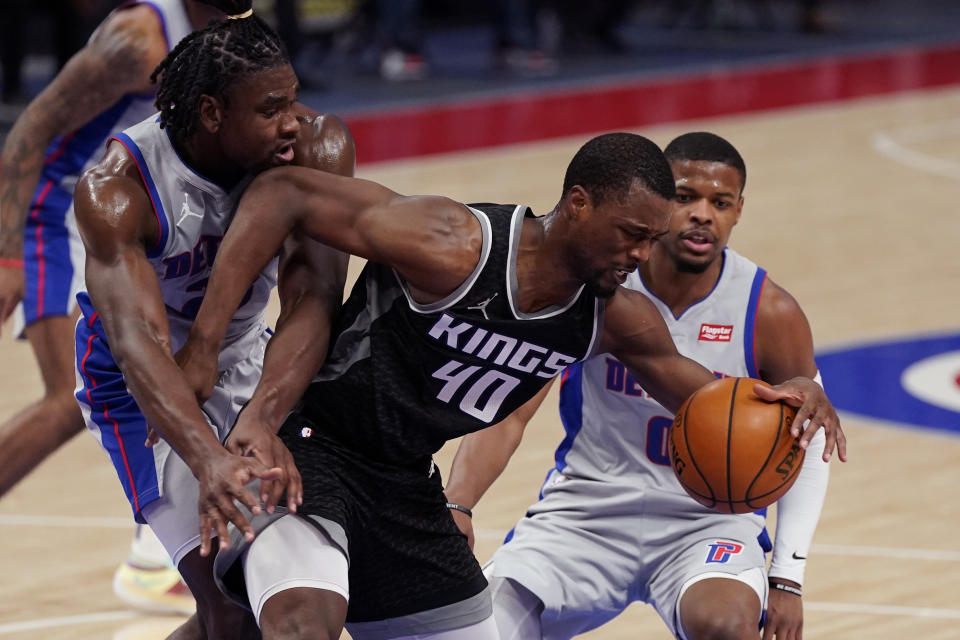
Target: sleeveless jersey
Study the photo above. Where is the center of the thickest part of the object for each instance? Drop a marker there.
(192, 215)
(614, 429)
(402, 378)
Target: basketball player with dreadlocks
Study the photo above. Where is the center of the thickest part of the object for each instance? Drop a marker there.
(103, 89)
(151, 215)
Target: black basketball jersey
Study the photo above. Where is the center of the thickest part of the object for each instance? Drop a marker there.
(402, 378)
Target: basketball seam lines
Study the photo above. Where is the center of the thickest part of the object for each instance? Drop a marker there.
(686, 439)
(733, 399)
(787, 480)
(749, 497)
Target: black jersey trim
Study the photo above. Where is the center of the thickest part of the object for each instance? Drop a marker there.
(516, 228)
(458, 293)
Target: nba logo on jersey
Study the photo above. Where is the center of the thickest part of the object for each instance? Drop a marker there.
(306, 432)
(719, 552)
(715, 332)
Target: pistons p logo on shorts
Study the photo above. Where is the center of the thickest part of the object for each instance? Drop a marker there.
(720, 551)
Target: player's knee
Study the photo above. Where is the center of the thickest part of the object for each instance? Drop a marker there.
(296, 614)
(229, 621)
(293, 628)
(720, 609)
(220, 617)
(726, 624)
(302, 625)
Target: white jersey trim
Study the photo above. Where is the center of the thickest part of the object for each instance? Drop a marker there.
(516, 227)
(461, 291)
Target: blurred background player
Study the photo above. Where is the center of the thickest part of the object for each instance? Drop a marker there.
(151, 214)
(613, 524)
(105, 87)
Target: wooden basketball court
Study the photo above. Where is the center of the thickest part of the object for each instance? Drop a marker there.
(850, 206)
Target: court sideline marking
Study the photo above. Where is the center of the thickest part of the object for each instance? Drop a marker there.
(906, 553)
(884, 610)
(895, 144)
(65, 621)
(826, 607)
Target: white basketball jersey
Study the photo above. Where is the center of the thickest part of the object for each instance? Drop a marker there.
(614, 428)
(193, 214)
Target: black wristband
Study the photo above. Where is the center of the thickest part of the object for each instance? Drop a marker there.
(460, 508)
(779, 586)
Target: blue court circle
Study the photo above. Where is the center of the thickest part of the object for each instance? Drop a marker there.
(868, 379)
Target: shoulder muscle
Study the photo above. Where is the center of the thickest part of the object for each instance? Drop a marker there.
(112, 207)
(324, 143)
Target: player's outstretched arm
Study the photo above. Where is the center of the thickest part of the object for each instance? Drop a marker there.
(635, 333)
(116, 224)
(481, 458)
(117, 60)
(432, 242)
(310, 286)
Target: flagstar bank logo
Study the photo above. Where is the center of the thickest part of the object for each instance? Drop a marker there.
(914, 380)
(715, 332)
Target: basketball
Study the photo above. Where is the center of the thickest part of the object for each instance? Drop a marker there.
(732, 451)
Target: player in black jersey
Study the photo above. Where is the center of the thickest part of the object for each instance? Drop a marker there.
(461, 315)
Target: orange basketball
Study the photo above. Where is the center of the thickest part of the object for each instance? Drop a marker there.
(732, 451)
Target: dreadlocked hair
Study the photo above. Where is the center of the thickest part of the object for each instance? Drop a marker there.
(209, 61)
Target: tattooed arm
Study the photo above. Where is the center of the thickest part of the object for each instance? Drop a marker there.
(118, 59)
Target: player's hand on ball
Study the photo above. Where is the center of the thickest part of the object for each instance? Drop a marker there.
(222, 480)
(813, 406)
(251, 438)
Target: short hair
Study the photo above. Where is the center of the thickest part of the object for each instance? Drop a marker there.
(607, 166)
(209, 61)
(702, 146)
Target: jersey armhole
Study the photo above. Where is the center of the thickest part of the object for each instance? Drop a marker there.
(750, 324)
(163, 226)
(466, 285)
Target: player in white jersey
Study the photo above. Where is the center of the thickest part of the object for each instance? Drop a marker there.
(103, 89)
(613, 525)
(152, 214)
